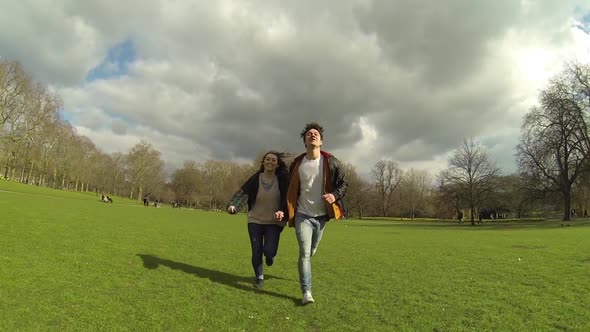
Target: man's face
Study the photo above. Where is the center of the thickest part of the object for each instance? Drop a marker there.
(313, 138)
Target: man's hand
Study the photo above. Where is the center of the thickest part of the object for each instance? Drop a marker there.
(279, 215)
(329, 198)
(231, 209)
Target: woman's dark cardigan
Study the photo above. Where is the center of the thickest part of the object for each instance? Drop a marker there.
(249, 191)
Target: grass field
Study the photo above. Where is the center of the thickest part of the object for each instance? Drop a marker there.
(69, 262)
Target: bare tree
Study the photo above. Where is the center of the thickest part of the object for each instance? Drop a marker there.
(26, 109)
(446, 197)
(471, 175)
(186, 182)
(581, 194)
(513, 196)
(14, 86)
(83, 162)
(24, 105)
(554, 148)
(214, 174)
(414, 188)
(387, 176)
(44, 141)
(67, 155)
(357, 197)
(145, 169)
(117, 173)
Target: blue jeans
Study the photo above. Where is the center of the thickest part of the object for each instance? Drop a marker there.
(264, 239)
(309, 232)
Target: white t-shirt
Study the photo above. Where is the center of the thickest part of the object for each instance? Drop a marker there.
(311, 187)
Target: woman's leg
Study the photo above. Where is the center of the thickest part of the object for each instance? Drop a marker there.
(256, 232)
(272, 236)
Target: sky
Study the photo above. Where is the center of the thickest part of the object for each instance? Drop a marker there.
(401, 80)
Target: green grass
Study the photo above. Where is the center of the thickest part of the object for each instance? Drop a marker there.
(69, 262)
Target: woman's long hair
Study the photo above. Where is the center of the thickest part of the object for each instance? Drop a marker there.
(281, 169)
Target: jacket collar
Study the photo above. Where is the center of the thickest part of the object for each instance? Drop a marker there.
(323, 153)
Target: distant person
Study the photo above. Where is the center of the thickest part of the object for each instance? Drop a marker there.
(316, 189)
(460, 216)
(265, 193)
(110, 200)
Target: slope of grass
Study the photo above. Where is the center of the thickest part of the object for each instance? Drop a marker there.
(22, 188)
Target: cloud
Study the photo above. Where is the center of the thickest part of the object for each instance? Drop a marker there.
(119, 127)
(388, 80)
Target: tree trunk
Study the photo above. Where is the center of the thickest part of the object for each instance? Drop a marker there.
(22, 175)
(567, 201)
(210, 194)
(32, 178)
(30, 175)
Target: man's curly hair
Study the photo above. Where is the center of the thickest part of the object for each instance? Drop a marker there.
(310, 126)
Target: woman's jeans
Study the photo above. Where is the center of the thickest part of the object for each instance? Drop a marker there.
(264, 239)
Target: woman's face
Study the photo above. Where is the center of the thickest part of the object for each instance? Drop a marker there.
(270, 162)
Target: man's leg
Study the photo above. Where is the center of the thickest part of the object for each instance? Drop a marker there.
(256, 231)
(318, 225)
(272, 235)
(304, 233)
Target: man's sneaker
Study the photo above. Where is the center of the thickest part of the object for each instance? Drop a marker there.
(258, 283)
(270, 261)
(307, 298)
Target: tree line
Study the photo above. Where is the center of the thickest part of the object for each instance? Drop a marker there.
(38, 147)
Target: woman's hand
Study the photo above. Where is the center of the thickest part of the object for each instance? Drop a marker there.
(279, 215)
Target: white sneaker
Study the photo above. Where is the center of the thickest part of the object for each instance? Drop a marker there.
(307, 298)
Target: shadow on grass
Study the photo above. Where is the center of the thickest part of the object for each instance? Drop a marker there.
(153, 262)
